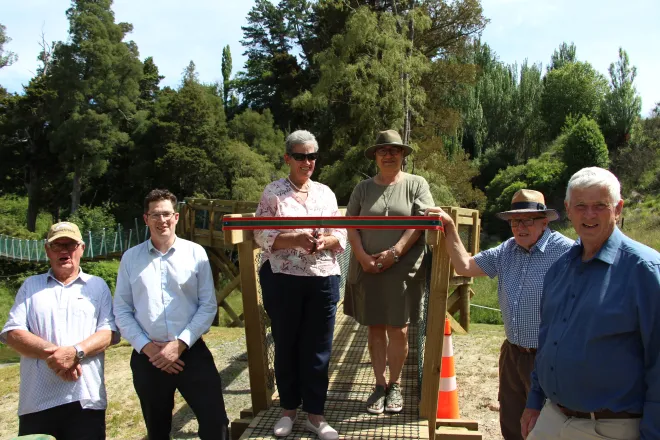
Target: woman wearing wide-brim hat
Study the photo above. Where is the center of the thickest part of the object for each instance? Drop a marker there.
(385, 281)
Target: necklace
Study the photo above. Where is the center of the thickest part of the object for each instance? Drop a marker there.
(387, 200)
(294, 185)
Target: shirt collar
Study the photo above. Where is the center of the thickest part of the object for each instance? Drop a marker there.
(540, 243)
(82, 276)
(151, 248)
(607, 252)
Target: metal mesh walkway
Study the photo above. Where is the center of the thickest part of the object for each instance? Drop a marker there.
(351, 382)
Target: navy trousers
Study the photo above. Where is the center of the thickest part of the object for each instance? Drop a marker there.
(302, 313)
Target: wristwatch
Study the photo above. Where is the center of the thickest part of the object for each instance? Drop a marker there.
(80, 355)
(396, 257)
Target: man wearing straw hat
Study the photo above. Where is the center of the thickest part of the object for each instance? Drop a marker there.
(61, 323)
(520, 264)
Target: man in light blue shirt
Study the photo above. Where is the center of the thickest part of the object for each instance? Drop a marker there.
(597, 372)
(164, 303)
(519, 263)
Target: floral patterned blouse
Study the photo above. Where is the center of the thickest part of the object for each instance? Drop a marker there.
(280, 200)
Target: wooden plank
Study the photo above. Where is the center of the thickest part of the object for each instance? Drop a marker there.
(452, 302)
(246, 413)
(476, 232)
(212, 225)
(450, 433)
(236, 320)
(237, 237)
(471, 425)
(229, 288)
(437, 310)
(238, 427)
(254, 330)
(433, 237)
(455, 326)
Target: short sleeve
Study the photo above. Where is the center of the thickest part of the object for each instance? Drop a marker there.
(423, 198)
(355, 202)
(488, 260)
(17, 315)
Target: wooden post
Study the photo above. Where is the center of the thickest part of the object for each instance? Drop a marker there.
(464, 301)
(255, 334)
(437, 309)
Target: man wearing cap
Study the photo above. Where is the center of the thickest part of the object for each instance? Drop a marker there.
(597, 373)
(61, 323)
(520, 264)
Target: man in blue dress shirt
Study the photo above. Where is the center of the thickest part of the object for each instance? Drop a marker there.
(597, 372)
(164, 303)
(519, 263)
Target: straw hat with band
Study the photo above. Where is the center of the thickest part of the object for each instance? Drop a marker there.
(525, 201)
(64, 230)
(387, 138)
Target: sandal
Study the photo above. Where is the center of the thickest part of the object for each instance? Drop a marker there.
(394, 399)
(376, 402)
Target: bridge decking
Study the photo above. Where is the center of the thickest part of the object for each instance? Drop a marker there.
(351, 382)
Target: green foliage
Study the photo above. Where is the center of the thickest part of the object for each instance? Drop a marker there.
(13, 222)
(258, 132)
(105, 269)
(226, 74)
(566, 54)
(7, 58)
(574, 89)
(94, 219)
(584, 146)
(248, 172)
(622, 106)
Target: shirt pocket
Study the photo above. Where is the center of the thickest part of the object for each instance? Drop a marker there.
(84, 307)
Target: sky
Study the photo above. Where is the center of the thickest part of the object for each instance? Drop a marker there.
(175, 32)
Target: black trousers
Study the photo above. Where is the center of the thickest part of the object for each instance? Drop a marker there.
(65, 422)
(302, 313)
(199, 384)
(515, 381)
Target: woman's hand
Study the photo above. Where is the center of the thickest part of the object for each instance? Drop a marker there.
(306, 241)
(325, 242)
(368, 264)
(444, 217)
(384, 260)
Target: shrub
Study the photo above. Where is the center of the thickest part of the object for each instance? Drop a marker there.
(584, 146)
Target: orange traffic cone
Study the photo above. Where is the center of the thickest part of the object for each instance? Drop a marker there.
(448, 393)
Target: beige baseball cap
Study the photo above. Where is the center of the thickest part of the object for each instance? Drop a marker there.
(64, 230)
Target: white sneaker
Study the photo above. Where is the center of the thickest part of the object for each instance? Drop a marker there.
(284, 426)
(324, 431)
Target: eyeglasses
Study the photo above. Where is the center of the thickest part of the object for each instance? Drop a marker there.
(514, 222)
(157, 215)
(59, 247)
(302, 156)
(394, 151)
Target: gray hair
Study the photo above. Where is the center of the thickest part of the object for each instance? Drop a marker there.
(300, 137)
(595, 177)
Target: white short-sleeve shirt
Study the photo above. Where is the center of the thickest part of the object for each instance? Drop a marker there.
(64, 316)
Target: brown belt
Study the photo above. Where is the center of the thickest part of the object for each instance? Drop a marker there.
(523, 349)
(598, 415)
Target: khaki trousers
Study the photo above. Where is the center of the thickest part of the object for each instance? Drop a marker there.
(552, 424)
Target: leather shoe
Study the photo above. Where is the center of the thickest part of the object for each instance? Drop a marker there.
(284, 426)
(324, 431)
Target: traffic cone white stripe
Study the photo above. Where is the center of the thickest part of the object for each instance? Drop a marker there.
(447, 347)
(448, 384)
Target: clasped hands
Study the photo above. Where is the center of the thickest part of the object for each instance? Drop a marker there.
(312, 243)
(63, 362)
(165, 355)
(376, 263)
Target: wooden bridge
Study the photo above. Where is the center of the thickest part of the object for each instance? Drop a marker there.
(351, 376)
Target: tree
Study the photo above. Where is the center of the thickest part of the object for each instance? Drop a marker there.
(149, 84)
(564, 55)
(622, 106)
(6, 58)
(584, 146)
(97, 78)
(259, 133)
(575, 89)
(226, 74)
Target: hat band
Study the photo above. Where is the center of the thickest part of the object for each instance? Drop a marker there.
(528, 205)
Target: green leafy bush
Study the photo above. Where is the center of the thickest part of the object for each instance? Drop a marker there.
(94, 219)
(584, 146)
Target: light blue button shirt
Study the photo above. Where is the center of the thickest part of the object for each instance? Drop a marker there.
(64, 316)
(164, 297)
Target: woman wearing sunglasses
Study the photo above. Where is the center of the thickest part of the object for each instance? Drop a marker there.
(385, 283)
(299, 279)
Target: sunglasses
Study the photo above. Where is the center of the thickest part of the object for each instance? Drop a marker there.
(302, 156)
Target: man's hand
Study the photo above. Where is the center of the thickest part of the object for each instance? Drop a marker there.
(168, 354)
(446, 219)
(528, 421)
(71, 375)
(61, 359)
